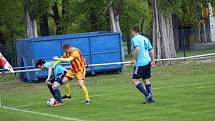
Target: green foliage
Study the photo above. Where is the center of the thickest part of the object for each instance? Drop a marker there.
(188, 11)
(40, 7)
(90, 15)
(12, 18)
(134, 12)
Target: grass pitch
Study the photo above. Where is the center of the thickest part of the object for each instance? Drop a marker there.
(184, 92)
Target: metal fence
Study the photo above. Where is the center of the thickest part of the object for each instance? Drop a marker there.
(9, 52)
(187, 41)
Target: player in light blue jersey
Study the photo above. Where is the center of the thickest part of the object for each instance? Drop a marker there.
(143, 60)
(59, 72)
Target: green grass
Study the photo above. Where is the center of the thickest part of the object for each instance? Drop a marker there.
(184, 92)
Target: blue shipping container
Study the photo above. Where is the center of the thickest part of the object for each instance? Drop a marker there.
(96, 47)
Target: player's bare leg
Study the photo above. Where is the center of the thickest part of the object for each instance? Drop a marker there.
(85, 91)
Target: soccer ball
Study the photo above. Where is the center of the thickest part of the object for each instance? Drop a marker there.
(51, 101)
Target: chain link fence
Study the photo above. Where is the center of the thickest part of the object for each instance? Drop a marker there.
(187, 42)
(9, 52)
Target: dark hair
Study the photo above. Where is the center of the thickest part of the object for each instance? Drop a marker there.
(66, 46)
(40, 63)
(136, 29)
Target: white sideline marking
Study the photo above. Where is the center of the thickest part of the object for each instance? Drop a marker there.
(42, 114)
(22, 106)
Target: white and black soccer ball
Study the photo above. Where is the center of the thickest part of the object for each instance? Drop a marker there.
(51, 101)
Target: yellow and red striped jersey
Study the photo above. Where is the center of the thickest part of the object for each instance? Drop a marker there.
(78, 63)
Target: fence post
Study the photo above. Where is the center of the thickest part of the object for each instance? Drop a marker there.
(183, 43)
(128, 44)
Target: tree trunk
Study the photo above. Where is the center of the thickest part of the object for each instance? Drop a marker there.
(61, 28)
(93, 20)
(114, 20)
(204, 33)
(199, 33)
(44, 27)
(163, 36)
(30, 23)
(175, 23)
(56, 17)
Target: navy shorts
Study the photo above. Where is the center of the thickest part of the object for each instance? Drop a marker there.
(59, 78)
(143, 72)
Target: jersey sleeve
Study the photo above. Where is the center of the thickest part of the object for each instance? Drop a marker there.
(134, 42)
(75, 54)
(47, 64)
(149, 45)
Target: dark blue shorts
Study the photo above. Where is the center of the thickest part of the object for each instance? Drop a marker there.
(143, 72)
(59, 78)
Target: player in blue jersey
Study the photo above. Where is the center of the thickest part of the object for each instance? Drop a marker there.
(143, 60)
(59, 72)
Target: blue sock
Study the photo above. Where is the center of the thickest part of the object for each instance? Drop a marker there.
(142, 89)
(57, 95)
(50, 89)
(149, 88)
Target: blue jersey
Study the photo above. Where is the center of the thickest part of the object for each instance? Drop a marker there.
(143, 58)
(58, 69)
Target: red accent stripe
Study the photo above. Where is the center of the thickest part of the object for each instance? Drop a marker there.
(76, 65)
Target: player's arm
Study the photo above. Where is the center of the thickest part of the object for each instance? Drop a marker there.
(136, 52)
(49, 74)
(59, 60)
(152, 55)
(63, 59)
(136, 47)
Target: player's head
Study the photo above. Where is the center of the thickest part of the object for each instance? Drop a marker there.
(135, 30)
(67, 47)
(40, 64)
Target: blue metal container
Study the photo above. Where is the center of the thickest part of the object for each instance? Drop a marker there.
(96, 47)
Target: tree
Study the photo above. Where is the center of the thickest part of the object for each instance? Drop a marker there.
(41, 9)
(11, 20)
(30, 22)
(163, 37)
(115, 10)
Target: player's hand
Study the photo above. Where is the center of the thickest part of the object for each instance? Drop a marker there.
(153, 64)
(53, 66)
(133, 61)
(47, 81)
(55, 58)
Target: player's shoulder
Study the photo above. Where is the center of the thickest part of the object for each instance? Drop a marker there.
(76, 51)
(49, 63)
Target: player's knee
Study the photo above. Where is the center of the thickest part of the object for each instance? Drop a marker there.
(65, 80)
(146, 81)
(54, 86)
(135, 82)
(80, 83)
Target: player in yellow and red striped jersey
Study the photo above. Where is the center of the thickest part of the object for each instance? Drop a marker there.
(78, 70)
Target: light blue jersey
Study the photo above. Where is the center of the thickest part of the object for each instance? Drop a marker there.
(145, 46)
(58, 69)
